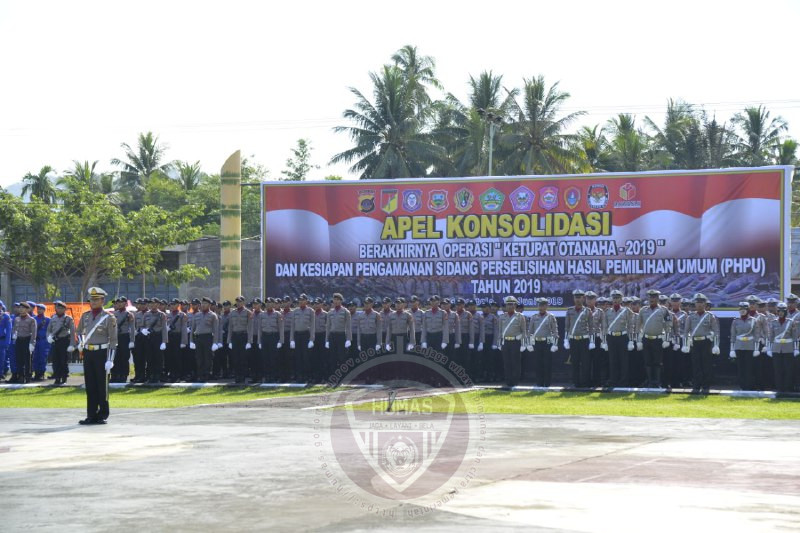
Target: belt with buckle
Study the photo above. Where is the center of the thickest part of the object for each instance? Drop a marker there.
(744, 338)
(651, 337)
(579, 337)
(700, 338)
(95, 347)
(510, 338)
(618, 333)
(784, 341)
(540, 339)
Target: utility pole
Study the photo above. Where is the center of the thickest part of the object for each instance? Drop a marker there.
(495, 120)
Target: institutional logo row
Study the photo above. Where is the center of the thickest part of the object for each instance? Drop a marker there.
(491, 200)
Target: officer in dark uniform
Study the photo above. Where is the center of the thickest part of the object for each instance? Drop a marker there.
(126, 333)
(511, 330)
(140, 342)
(301, 341)
(61, 336)
(97, 334)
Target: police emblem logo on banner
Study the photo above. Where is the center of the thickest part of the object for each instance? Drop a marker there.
(437, 200)
(522, 198)
(572, 196)
(412, 200)
(464, 199)
(389, 198)
(597, 196)
(492, 199)
(366, 201)
(548, 197)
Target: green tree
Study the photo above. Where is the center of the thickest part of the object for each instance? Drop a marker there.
(592, 145)
(166, 193)
(138, 166)
(189, 174)
(299, 165)
(628, 145)
(419, 72)
(204, 200)
(333, 177)
(390, 138)
(40, 185)
(537, 139)
(758, 134)
(673, 145)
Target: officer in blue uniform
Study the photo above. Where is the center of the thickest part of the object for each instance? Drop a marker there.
(42, 349)
(5, 339)
(11, 357)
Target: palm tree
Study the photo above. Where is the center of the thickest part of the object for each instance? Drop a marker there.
(390, 140)
(592, 145)
(669, 142)
(189, 174)
(537, 138)
(628, 145)
(143, 162)
(759, 133)
(39, 185)
(419, 72)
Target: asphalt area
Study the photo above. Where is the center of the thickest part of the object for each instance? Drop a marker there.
(284, 464)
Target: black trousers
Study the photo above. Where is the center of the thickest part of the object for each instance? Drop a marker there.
(511, 362)
(140, 357)
(122, 359)
(337, 352)
(542, 363)
(189, 365)
(581, 362)
(203, 355)
(155, 356)
(783, 365)
(320, 356)
(61, 358)
(673, 367)
(22, 351)
(488, 358)
(254, 363)
(701, 363)
(301, 355)
(269, 356)
(653, 352)
(239, 355)
(618, 360)
(599, 364)
(94, 377)
(745, 369)
(464, 354)
(173, 362)
(434, 340)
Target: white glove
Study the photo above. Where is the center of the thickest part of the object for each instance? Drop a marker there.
(259, 345)
(630, 346)
(214, 347)
(310, 344)
(230, 346)
(554, 348)
(70, 349)
(756, 353)
(665, 344)
(388, 347)
(377, 347)
(639, 346)
(566, 344)
(522, 347)
(347, 344)
(494, 346)
(424, 345)
(764, 349)
(130, 346)
(145, 332)
(685, 349)
(604, 346)
(480, 347)
(14, 337)
(410, 347)
(676, 347)
(327, 344)
(279, 345)
(32, 347)
(715, 350)
(732, 355)
(192, 345)
(471, 346)
(591, 346)
(456, 346)
(183, 346)
(530, 347)
(248, 346)
(109, 365)
(796, 353)
(769, 353)
(162, 347)
(444, 345)
(358, 348)
(50, 339)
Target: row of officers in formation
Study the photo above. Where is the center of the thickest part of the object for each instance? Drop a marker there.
(614, 341)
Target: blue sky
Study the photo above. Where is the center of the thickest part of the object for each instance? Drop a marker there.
(79, 78)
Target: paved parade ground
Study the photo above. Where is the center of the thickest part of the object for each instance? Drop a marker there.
(257, 465)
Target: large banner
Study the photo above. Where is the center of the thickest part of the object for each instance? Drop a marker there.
(720, 232)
